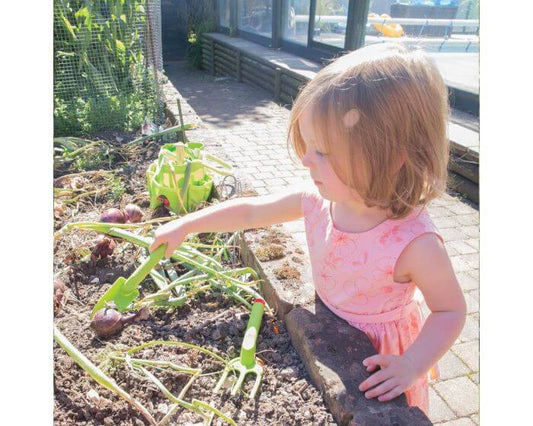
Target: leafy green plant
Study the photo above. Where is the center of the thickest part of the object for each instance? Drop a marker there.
(201, 18)
(101, 75)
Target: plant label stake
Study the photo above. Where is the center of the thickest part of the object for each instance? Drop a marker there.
(124, 291)
(247, 362)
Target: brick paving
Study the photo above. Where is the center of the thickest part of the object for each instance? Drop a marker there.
(243, 124)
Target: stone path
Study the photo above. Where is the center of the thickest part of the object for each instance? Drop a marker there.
(250, 128)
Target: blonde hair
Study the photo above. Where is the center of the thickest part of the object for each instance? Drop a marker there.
(394, 152)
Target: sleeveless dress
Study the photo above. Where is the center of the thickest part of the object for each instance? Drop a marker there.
(353, 276)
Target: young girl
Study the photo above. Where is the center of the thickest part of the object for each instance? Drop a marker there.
(371, 129)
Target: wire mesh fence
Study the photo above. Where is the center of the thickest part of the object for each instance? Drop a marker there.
(107, 65)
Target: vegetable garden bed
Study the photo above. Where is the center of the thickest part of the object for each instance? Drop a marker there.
(208, 318)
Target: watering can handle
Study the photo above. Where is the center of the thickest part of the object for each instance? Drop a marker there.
(144, 268)
(252, 330)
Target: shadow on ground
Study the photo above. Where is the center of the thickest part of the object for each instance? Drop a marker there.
(221, 102)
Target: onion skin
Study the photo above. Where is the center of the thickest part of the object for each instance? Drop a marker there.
(103, 248)
(107, 322)
(59, 291)
(133, 213)
(113, 215)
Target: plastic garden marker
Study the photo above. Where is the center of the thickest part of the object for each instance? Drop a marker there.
(124, 291)
(247, 363)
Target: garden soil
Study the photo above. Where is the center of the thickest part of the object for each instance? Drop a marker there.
(210, 320)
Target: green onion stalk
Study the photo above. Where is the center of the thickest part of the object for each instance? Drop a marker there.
(208, 268)
(98, 375)
(205, 410)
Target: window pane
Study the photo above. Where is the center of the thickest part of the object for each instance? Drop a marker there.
(224, 13)
(295, 20)
(255, 16)
(413, 23)
(330, 22)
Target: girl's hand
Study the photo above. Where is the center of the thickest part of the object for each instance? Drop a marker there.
(397, 374)
(172, 234)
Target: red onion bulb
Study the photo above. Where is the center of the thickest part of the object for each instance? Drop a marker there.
(113, 215)
(133, 213)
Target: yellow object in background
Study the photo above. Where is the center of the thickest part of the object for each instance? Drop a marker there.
(388, 30)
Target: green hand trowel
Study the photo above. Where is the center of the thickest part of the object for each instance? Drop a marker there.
(124, 291)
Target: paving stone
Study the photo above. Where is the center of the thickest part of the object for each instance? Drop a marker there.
(263, 191)
(472, 303)
(471, 231)
(461, 395)
(464, 421)
(438, 409)
(439, 211)
(453, 234)
(472, 260)
(444, 200)
(461, 247)
(474, 242)
(450, 367)
(461, 208)
(460, 264)
(469, 353)
(467, 281)
(262, 175)
(445, 222)
(468, 219)
(470, 330)
(277, 182)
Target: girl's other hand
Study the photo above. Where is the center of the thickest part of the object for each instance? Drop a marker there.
(397, 374)
(172, 234)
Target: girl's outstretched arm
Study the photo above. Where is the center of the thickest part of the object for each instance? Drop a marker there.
(427, 264)
(232, 215)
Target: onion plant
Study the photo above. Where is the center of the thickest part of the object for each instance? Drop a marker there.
(204, 272)
(206, 411)
(98, 375)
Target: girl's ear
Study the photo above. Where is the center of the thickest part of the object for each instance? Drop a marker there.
(351, 118)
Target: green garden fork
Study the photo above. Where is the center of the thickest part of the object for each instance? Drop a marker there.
(124, 291)
(247, 362)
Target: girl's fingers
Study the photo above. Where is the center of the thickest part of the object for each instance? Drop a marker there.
(381, 360)
(169, 252)
(383, 388)
(393, 393)
(374, 380)
(372, 368)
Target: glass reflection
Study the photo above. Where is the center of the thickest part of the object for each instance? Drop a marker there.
(330, 22)
(255, 16)
(224, 13)
(295, 20)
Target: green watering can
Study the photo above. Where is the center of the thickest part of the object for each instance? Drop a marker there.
(124, 291)
(247, 362)
(179, 179)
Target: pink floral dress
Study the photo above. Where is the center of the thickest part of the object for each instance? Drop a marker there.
(353, 276)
